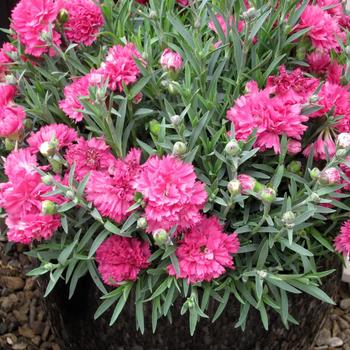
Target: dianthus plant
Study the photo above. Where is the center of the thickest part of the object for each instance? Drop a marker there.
(185, 152)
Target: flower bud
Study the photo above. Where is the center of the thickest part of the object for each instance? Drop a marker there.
(232, 148)
(250, 13)
(138, 98)
(160, 236)
(315, 173)
(261, 273)
(9, 145)
(48, 148)
(248, 183)
(152, 14)
(70, 194)
(154, 127)
(293, 147)
(48, 207)
(175, 119)
(47, 179)
(267, 195)
(179, 148)
(142, 223)
(234, 187)
(294, 166)
(314, 197)
(288, 219)
(62, 16)
(171, 60)
(343, 140)
(330, 176)
(172, 88)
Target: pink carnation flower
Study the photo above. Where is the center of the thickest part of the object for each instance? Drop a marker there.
(294, 147)
(335, 7)
(324, 141)
(121, 259)
(71, 104)
(171, 193)
(324, 30)
(205, 252)
(112, 192)
(171, 60)
(222, 22)
(5, 58)
(271, 117)
(330, 176)
(120, 67)
(342, 241)
(319, 61)
(85, 20)
(247, 183)
(33, 19)
(11, 120)
(93, 154)
(7, 93)
(64, 134)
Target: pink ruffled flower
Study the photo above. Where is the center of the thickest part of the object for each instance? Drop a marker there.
(171, 60)
(205, 252)
(171, 193)
(247, 183)
(335, 7)
(120, 67)
(330, 176)
(121, 259)
(71, 104)
(5, 58)
(33, 19)
(335, 72)
(222, 22)
(342, 241)
(319, 61)
(85, 20)
(11, 120)
(90, 155)
(292, 87)
(271, 117)
(294, 147)
(324, 141)
(324, 30)
(112, 192)
(20, 164)
(64, 135)
(7, 93)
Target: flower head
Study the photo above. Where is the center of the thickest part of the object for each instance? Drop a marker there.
(61, 132)
(11, 120)
(84, 22)
(7, 93)
(5, 59)
(112, 191)
(171, 60)
(205, 252)
(171, 193)
(120, 67)
(93, 154)
(294, 147)
(342, 241)
(323, 142)
(34, 19)
(247, 182)
(121, 259)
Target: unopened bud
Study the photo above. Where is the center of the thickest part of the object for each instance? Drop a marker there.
(172, 89)
(9, 145)
(234, 187)
(152, 14)
(160, 237)
(315, 173)
(70, 194)
(261, 273)
(232, 148)
(343, 140)
(48, 148)
(315, 198)
(179, 148)
(267, 195)
(48, 207)
(250, 13)
(330, 176)
(294, 166)
(47, 180)
(175, 119)
(288, 219)
(154, 127)
(142, 223)
(63, 16)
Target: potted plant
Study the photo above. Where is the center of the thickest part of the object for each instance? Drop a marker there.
(178, 159)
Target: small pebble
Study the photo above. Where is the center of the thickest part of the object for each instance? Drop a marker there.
(335, 342)
(345, 304)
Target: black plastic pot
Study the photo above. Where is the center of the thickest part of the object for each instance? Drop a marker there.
(76, 329)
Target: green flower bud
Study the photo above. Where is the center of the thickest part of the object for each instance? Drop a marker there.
(142, 223)
(49, 148)
(294, 166)
(9, 145)
(288, 219)
(175, 119)
(301, 53)
(160, 237)
(250, 13)
(232, 148)
(190, 303)
(234, 187)
(262, 274)
(315, 198)
(56, 164)
(63, 16)
(152, 14)
(267, 195)
(154, 127)
(315, 173)
(48, 207)
(179, 148)
(172, 88)
(28, 124)
(47, 180)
